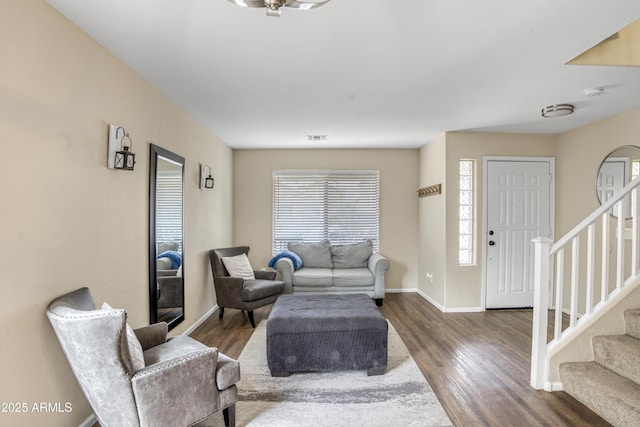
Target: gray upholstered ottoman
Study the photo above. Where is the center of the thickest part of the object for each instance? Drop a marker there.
(326, 333)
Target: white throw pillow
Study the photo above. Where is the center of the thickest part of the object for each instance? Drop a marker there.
(239, 266)
(135, 348)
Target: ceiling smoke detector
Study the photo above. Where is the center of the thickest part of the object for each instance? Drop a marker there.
(274, 7)
(595, 91)
(558, 110)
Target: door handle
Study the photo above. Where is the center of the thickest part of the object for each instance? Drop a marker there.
(491, 243)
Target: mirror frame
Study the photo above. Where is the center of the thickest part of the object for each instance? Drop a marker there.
(156, 152)
(611, 155)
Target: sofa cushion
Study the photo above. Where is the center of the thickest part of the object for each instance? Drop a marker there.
(347, 277)
(317, 254)
(167, 246)
(351, 256)
(313, 277)
(254, 290)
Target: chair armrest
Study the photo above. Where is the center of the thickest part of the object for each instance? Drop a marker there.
(186, 381)
(286, 269)
(162, 273)
(265, 275)
(170, 291)
(378, 265)
(152, 335)
(228, 291)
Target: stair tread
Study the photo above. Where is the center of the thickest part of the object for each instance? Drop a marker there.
(614, 397)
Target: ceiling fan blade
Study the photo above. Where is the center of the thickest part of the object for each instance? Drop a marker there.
(291, 4)
(248, 3)
(304, 4)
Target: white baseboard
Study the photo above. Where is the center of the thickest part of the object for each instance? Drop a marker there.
(416, 291)
(200, 321)
(439, 306)
(464, 310)
(553, 386)
(431, 301)
(400, 291)
(89, 421)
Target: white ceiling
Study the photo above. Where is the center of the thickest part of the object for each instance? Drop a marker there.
(368, 73)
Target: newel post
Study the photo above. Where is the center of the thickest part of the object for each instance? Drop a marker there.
(542, 247)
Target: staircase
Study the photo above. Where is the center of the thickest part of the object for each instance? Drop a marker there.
(610, 385)
(583, 277)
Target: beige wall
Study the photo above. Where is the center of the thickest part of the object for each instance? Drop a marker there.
(252, 206)
(461, 287)
(580, 153)
(67, 220)
(432, 217)
(464, 284)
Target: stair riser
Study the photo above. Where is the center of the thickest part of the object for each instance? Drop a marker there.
(619, 354)
(632, 322)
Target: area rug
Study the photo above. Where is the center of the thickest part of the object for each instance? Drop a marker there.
(400, 397)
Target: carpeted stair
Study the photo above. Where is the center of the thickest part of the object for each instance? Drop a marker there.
(610, 385)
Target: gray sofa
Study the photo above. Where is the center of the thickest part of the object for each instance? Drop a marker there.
(326, 268)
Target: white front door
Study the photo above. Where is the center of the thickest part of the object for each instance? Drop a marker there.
(517, 208)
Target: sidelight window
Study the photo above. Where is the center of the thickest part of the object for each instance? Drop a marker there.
(466, 214)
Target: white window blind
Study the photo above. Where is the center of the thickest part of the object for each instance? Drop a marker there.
(340, 206)
(169, 207)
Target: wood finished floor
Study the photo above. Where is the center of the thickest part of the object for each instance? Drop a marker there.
(477, 363)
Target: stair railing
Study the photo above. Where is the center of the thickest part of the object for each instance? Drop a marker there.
(551, 286)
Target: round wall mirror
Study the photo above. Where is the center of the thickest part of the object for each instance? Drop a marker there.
(617, 170)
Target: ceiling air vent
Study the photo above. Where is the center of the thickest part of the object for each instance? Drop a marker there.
(317, 137)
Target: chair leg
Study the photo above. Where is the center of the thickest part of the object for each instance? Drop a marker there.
(379, 302)
(253, 322)
(220, 312)
(229, 415)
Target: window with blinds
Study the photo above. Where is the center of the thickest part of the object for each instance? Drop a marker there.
(169, 207)
(340, 206)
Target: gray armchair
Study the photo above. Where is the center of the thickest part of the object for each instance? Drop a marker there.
(238, 293)
(182, 382)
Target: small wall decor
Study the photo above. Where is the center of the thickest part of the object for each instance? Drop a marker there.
(120, 154)
(430, 190)
(206, 179)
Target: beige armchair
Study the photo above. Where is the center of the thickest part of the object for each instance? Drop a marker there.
(242, 294)
(181, 383)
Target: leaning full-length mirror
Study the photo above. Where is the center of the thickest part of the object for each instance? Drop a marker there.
(617, 170)
(166, 243)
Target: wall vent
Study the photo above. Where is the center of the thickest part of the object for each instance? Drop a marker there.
(317, 137)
